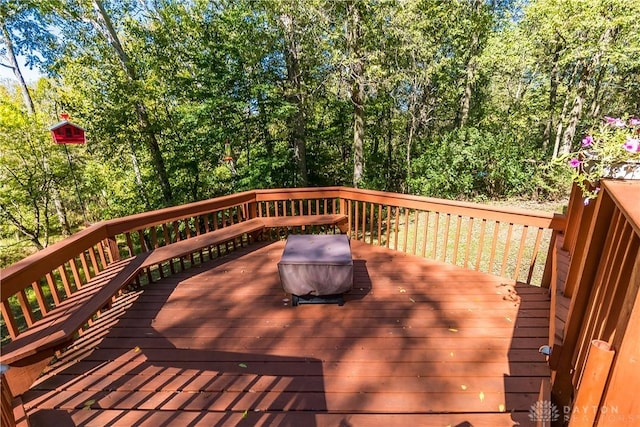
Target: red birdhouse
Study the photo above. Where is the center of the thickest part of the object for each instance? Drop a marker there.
(66, 132)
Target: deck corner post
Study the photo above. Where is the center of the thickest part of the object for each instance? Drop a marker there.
(114, 252)
(550, 265)
(253, 210)
(6, 408)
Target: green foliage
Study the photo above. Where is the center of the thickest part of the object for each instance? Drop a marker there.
(472, 163)
(463, 99)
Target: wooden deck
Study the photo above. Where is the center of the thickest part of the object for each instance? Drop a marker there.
(417, 343)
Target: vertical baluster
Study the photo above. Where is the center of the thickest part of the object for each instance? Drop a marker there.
(371, 223)
(9, 319)
(25, 306)
(456, 244)
(425, 234)
(406, 230)
(494, 243)
(379, 224)
(523, 239)
(94, 260)
(85, 266)
(436, 233)
(103, 260)
(43, 305)
(507, 246)
(64, 276)
(483, 225)
(396, 229)
(75, 273)
(388, 233)
(364, 222)
(534, 255)
(445, 238)
(53, 289)
(468, 242)
(356, 221)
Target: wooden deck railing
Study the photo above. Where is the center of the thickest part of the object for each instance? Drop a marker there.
(597, 360)
(502, 241)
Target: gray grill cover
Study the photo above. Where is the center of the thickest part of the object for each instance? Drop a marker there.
(316, 264)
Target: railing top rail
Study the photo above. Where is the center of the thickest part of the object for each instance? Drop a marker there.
(518, 216)
(625, 196)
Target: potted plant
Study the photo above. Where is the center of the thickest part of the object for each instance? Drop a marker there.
(612, 150)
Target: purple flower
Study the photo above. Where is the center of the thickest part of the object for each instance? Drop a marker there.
(586, 201)
(587, 141)
(615, 122)
(632, 145)
(574, 163)
(634, 121)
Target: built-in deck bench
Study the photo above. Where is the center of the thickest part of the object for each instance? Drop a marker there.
(29, 353)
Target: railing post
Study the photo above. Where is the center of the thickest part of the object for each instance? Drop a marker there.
(594, 378)
(582, 273)
(6, 408)
(114, 252)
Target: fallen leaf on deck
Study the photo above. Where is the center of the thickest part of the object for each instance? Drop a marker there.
(136, 349)
(245, 414)
(501, 407)
(88, 403)
(464, 387)
(412, 300)
(453, 330)
(481, 397)
(242, 365)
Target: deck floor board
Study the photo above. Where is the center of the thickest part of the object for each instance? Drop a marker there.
(417, 341)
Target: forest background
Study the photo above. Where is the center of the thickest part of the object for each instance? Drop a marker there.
(188, 100)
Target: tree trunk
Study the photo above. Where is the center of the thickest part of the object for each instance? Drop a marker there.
(141, 110)
(138, 177)
(465, 101)
(471, 66)
(28, 102)
(61, 212)
(357, 89)
(578, 103)
(553, 95)
(295, 95)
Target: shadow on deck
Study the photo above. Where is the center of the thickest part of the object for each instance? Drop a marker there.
(417, 342)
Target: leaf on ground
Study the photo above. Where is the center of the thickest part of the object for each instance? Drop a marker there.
(412, 300)
(453, 330)
(464, 387)
(88, 403)
(481, 397)
(501, 407)
(245, 414)
(242, 365)
(136, 349)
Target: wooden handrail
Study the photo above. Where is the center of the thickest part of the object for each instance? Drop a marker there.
(505, 214)
(68, 264)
